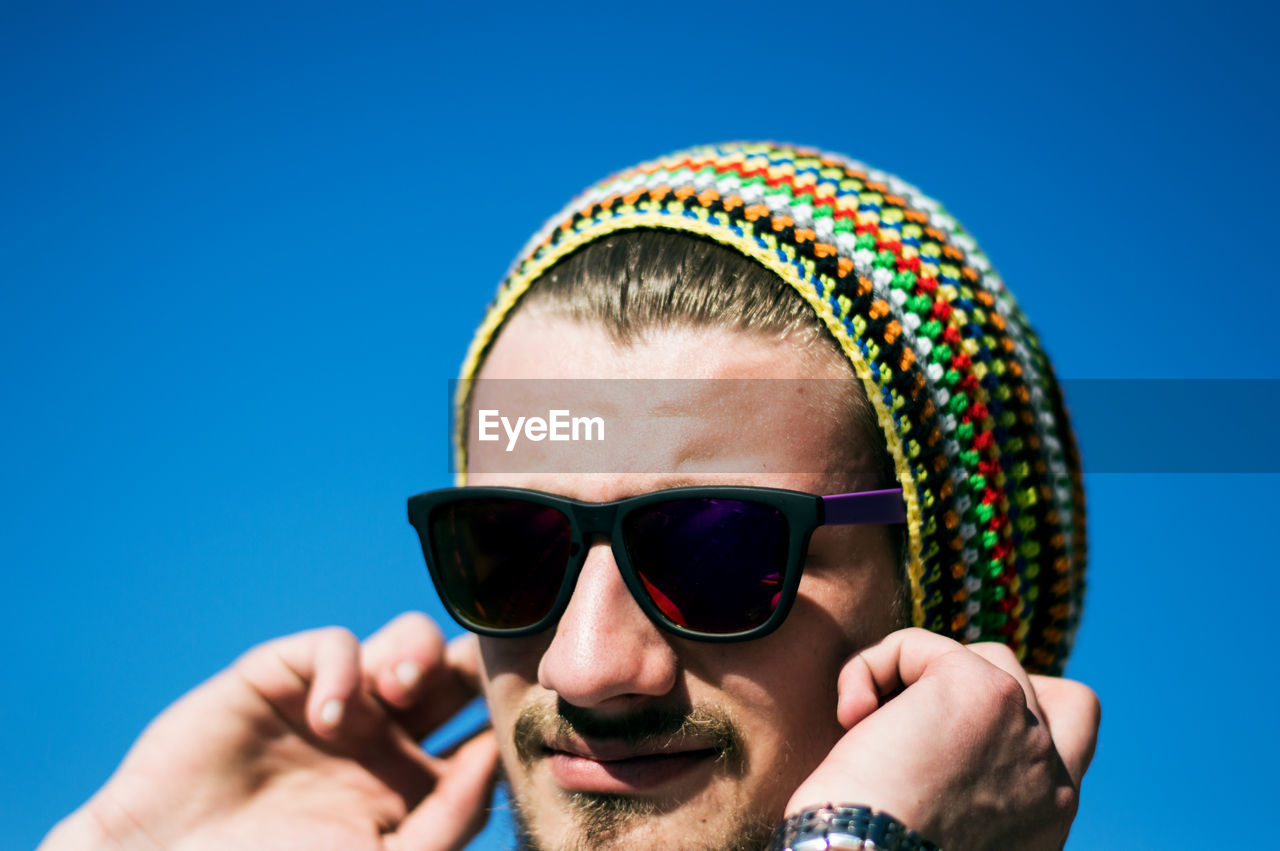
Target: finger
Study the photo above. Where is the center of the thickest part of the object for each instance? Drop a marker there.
(858, 694)
(446, 688)
(421, 678)
(1006, 660)
(880, 671)
(308, 678)
(335, 679)
(398, 655)
(459, 807)
(1074, 714)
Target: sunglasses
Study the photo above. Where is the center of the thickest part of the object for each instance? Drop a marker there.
(707, 563)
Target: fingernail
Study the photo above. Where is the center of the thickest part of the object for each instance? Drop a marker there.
(408, 673)
(331, 712)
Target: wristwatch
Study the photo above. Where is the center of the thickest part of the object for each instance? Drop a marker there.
(846, 826)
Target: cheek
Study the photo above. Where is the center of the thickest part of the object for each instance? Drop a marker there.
(781, 691)
(516, 657)
(509, 669)
(785, 688)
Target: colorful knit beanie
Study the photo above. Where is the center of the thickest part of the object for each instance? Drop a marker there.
(965, 396)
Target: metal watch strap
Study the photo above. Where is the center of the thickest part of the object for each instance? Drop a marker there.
(846, 826)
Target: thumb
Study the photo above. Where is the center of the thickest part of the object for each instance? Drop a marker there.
(898, 660)
(1074, 714)
(458, 807)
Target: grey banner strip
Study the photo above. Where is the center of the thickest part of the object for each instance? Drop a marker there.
(1167, 425)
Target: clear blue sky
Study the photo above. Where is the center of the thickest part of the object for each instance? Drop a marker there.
(243, 245)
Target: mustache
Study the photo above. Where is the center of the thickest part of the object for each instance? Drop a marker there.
(540, 723)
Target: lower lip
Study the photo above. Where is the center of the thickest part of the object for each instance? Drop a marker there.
(621, 776)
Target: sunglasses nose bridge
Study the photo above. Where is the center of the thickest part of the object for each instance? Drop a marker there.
(594, 520)
(595, 523)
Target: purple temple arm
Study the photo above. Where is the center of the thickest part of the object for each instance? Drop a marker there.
(884, 506)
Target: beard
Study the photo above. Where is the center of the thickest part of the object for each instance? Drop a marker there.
(603, 821)
(607, 820)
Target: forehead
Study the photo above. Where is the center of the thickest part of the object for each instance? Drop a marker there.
(678, 405)
(540, 344)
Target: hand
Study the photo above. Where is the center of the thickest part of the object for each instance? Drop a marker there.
(309, 741)
(958, 743)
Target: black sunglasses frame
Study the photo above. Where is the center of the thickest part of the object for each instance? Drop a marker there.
(804, 512)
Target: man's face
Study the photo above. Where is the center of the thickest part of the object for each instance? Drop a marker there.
(758, 716)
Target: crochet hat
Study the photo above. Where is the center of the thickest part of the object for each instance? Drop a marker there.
(966, 398)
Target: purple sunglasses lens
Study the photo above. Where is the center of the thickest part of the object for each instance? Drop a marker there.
(501, 561)
(710, 565)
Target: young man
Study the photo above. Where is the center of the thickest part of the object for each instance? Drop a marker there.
(835, 452)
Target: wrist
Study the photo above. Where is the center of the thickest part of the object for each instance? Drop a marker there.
(100, 825)
(80, 830)
(851, 826)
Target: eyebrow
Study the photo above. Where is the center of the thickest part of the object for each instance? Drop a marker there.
(687, 482)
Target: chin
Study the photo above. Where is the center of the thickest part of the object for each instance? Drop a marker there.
(556, 820)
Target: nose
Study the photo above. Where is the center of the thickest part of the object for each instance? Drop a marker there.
(605, 651)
